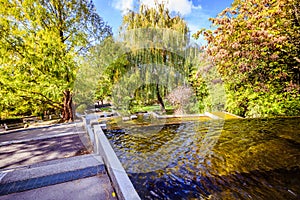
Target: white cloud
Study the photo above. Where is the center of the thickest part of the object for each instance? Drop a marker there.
(184, 7)
(199, 7)
(123, 5)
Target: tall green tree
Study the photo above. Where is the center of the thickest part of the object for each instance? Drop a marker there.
(101, 68)
(158, 18)
(255, 45)
(40, 42)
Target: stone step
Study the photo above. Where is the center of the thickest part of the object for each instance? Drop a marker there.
(50, 173)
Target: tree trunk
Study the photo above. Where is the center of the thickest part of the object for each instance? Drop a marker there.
(160, 100)
(67, 109)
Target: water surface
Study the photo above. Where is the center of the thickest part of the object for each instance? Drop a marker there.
(208, 159)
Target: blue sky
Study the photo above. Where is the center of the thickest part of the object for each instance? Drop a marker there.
(195, 12)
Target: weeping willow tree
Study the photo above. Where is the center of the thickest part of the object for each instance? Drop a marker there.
(151, 58)
(156, 39)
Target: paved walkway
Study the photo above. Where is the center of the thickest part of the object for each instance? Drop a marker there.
(92, 188)
(41, 144)
(47, 163)
(40, 132)
(16, 155)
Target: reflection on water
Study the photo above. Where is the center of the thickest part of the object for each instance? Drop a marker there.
(244, 159)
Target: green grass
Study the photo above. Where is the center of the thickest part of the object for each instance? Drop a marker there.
(224, 115)
(106, 109)
(151, 108)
